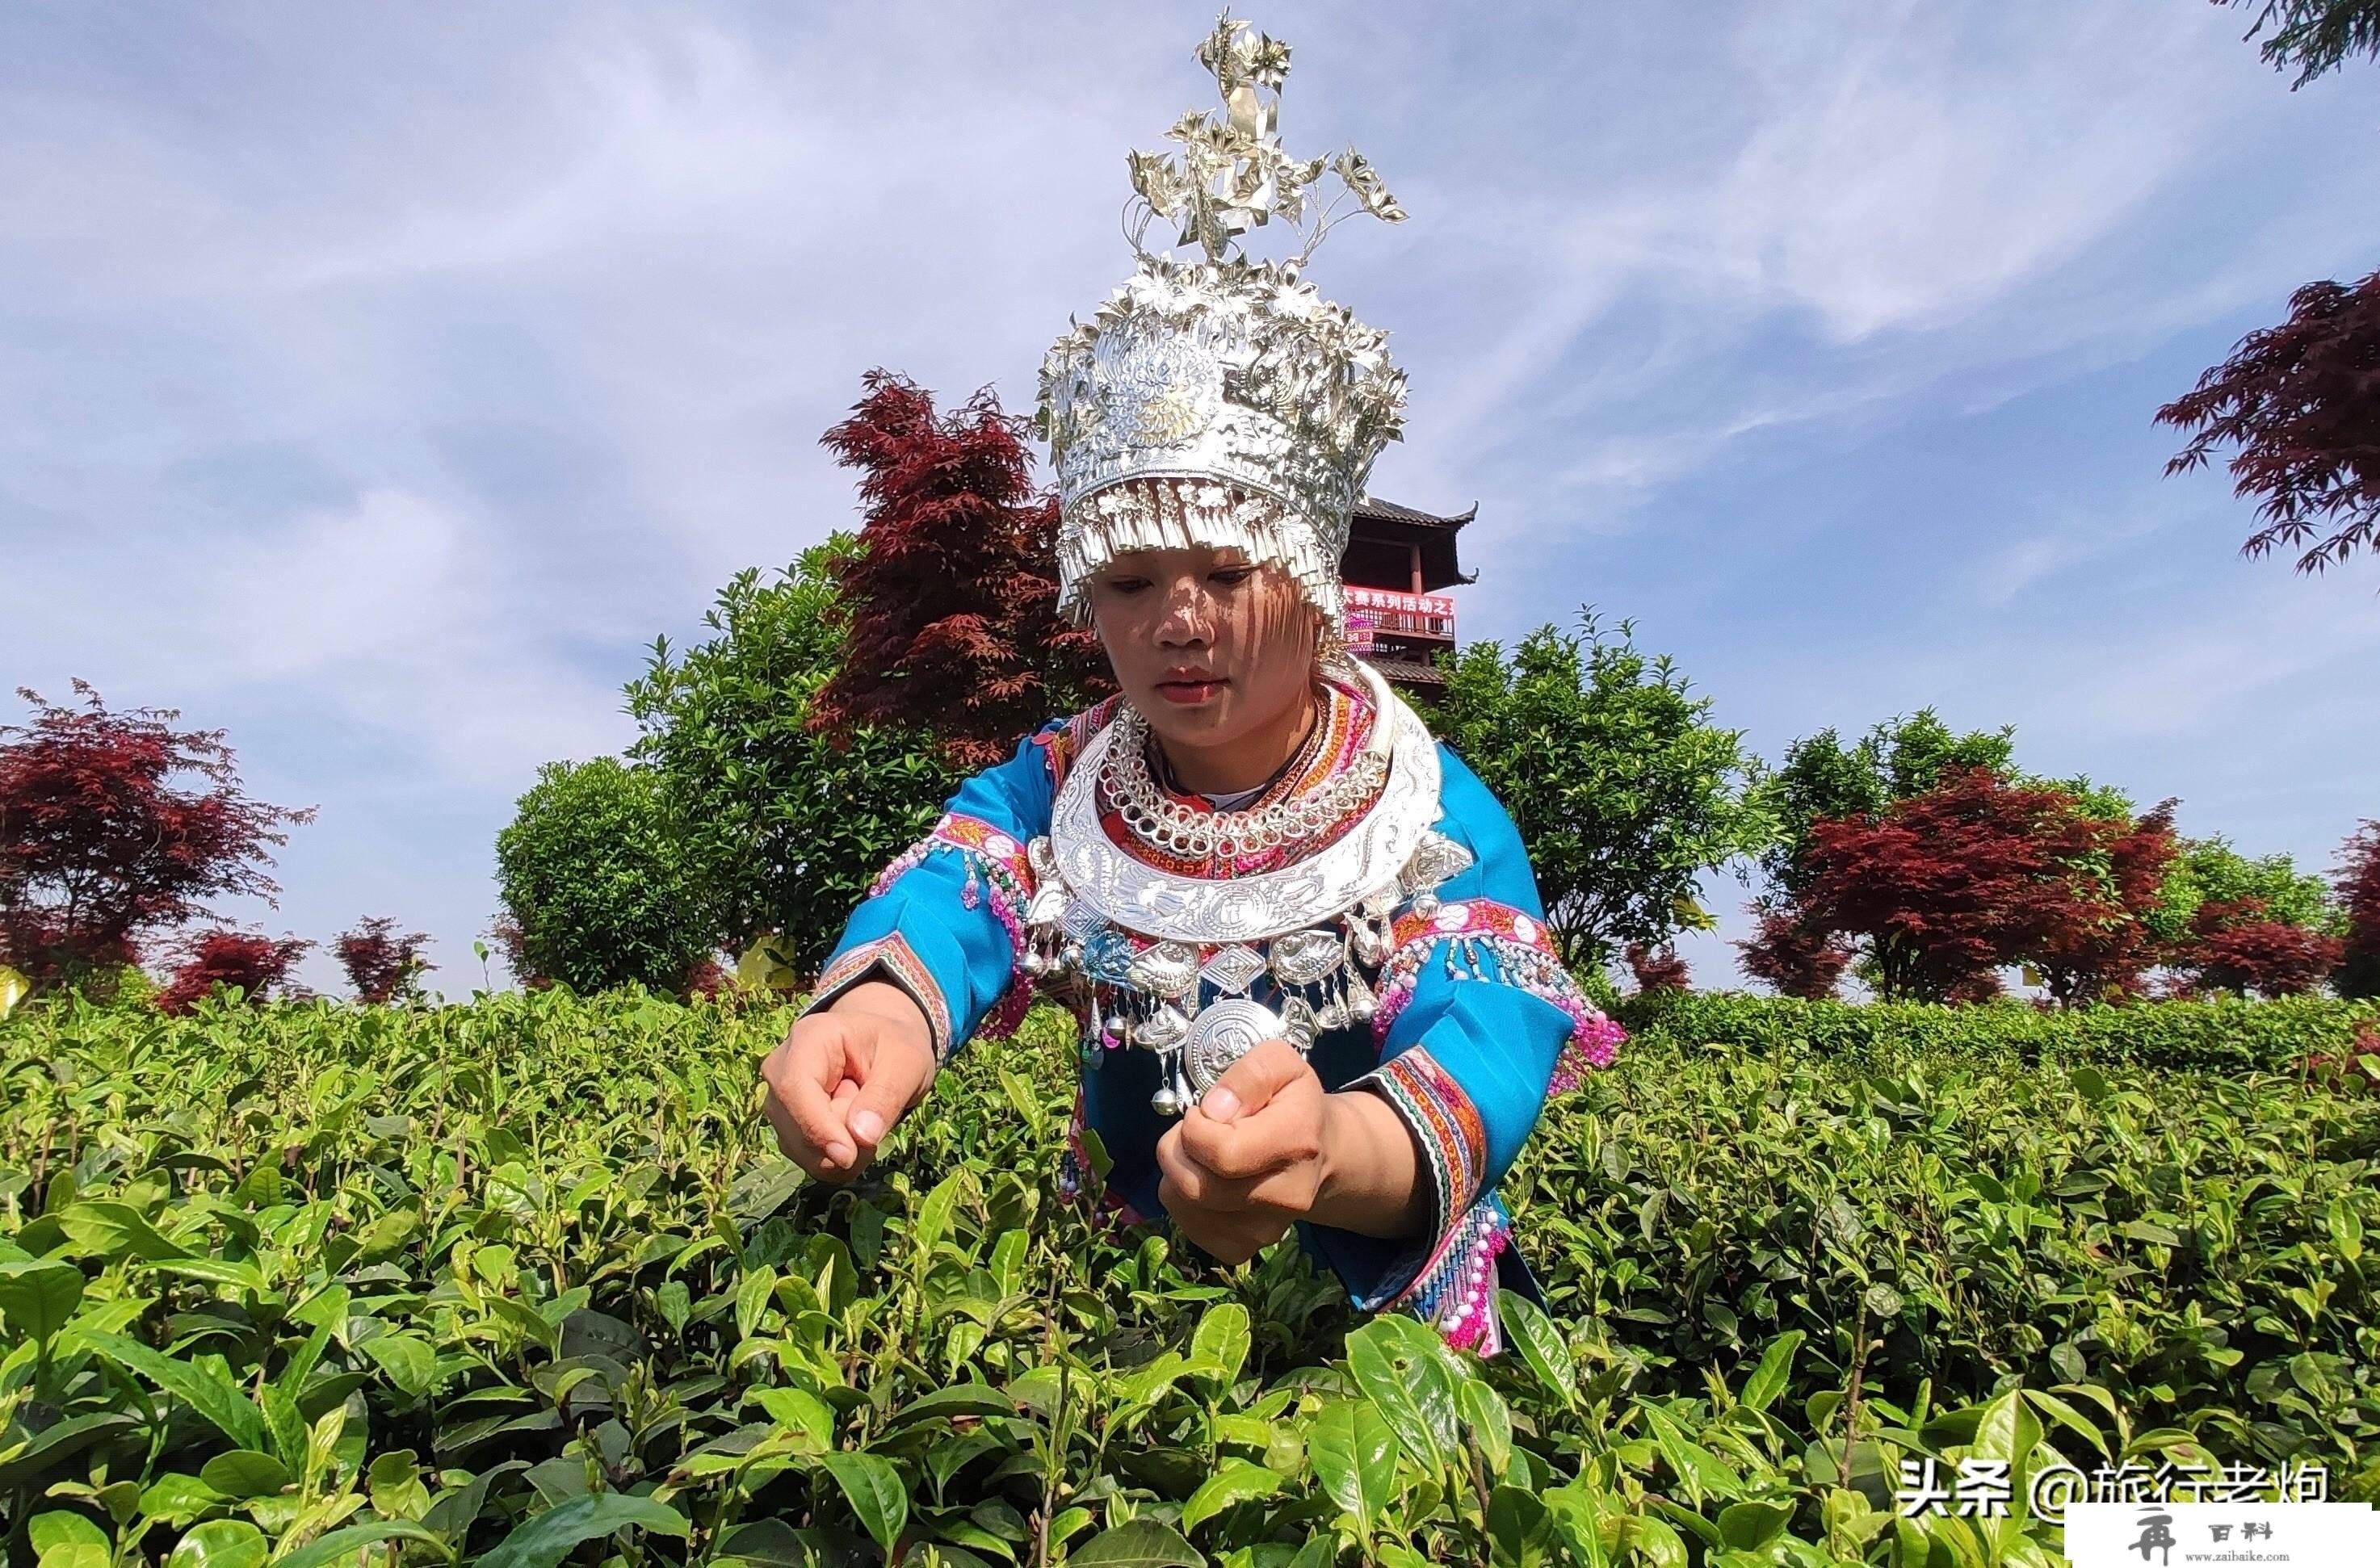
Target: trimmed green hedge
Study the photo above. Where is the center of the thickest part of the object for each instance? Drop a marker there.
(2229, 1034)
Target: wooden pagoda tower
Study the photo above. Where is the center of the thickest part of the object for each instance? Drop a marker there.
(1398, 562)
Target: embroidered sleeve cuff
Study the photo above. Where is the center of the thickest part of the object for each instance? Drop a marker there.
(889, 958)
(1449, 1281)
(1446, 1127)
(1454, 1292)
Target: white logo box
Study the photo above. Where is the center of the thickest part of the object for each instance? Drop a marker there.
(2205, 1534)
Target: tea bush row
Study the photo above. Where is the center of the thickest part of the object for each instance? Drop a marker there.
(523, 1280)
(2228, 1035)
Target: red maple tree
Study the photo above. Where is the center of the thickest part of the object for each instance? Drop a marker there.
(381, 964)
(1657, 969)
(101, 848)
(2100, 950)
(950, 600)
(2359, 896)
(1791, 955)
(2301, 403)
(253, 964)
(1948, 887)
(2238, 946)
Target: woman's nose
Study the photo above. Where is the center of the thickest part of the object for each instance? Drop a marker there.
(1189, 615)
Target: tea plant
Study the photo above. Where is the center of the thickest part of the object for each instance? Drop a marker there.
(523, 1279)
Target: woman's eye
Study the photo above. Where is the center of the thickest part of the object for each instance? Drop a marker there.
(1126, 584)
(1231, 576)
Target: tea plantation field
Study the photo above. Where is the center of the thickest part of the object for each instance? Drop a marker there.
(523, 1281)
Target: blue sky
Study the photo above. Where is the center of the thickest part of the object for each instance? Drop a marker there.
(376, 384)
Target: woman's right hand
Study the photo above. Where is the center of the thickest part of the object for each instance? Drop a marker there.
(843, 1077)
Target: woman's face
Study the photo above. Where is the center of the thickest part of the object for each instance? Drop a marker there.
(1210, 647)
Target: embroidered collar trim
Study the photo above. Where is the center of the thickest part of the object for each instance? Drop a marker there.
(1361, 864)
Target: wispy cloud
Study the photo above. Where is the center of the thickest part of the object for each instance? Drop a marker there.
(2008, 569)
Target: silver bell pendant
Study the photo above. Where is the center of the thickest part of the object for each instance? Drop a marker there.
(1172, 1096)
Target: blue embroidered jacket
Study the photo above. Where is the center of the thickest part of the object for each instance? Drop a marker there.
(1475, 1016)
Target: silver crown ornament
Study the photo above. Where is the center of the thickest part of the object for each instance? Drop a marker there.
(1220, 400)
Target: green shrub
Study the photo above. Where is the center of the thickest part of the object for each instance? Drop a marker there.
(593, 876)
(785, 829)
(2228, 1035)
(1619, 783)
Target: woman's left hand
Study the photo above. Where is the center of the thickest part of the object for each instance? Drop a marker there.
(1250, 1158)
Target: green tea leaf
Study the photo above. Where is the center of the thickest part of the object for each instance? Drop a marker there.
(286, 1424)
(1404, 1386)
(56, 1443)
(343, 1546)
(2346, 1229)
(1775, 1372)
(545, 1539)
(1222, 1341)
(39, 1295)
(752, 1300)
(62, 1538)
(1704, 1472)
(1491, 1423)
(407, 1360)
(1749, 1526)
(1353, 1455)
(874, 1488)
(213, 1397)
(932, 1226)
(177, 1498)
(1137, 1543)
(1236, 1481)
(2066, 1416)
(245, 1277)
(959, 1399)
(1022, 1095)
(2008, 1429)
(1517, 1525)
(245, 1473)
(1541, 1344)
(453, 1514)
(801, 1413)
(394, 1483)
(220, 1543)
(116, 1231)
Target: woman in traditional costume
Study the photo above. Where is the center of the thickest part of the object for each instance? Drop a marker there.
(1303, 942)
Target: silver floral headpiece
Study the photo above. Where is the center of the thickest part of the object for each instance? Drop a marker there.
(1220, 400)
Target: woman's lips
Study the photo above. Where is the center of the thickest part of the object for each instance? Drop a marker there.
(1189, 692)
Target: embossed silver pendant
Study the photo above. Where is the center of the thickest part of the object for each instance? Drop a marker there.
(1162, 1027)
(1168, 969)
(1235, 969)
(1435, 858)
(1302, 957)
(1224, 1032)
(1361, 1001)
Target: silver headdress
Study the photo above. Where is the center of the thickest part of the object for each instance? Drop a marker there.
(1220, 400)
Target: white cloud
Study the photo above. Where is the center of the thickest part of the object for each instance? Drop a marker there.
(1913, 163)
(375, 612)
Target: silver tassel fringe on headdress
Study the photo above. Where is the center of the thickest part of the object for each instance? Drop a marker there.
(1221, 401)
